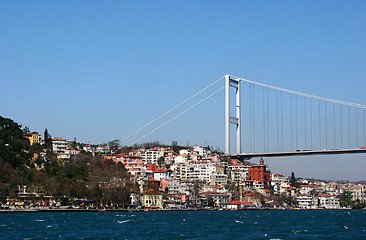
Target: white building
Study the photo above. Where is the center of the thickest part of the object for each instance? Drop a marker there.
(89, 148)
(306, 201)
(174, 187)
(219, 178)
(358, 192)
(200, 172)
(160, 174)
(238, 173)
(184, 152)
(328, 201)
(180, 159)
(151, 155)
(59, 145)
(201, 151)
(104, 148)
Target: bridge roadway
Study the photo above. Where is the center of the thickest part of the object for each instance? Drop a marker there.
(247, 156)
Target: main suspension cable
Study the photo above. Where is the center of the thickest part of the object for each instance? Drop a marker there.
(195, 105)
(305, 94)
(195, 95)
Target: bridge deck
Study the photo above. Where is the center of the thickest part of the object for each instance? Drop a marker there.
(244, 156)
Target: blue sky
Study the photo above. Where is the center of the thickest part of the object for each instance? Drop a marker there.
(97, 71)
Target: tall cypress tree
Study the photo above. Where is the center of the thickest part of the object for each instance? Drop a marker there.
(47, 139)
(293, 180)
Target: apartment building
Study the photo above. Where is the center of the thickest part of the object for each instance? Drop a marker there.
(328, 201)
(151, 155)
(59, 146)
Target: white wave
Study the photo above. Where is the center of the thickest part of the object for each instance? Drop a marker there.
(237, 221)
(39, 220)
(124, 221)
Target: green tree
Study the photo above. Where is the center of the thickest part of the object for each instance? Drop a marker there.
(161, 162)
(26, 129)
(13, 146)
(210, 201)
(293, 180)
(346, 199)
(47, 140)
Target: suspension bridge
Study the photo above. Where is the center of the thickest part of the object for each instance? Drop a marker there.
(281, 122)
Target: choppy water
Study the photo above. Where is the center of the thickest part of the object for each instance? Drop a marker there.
(255, 224)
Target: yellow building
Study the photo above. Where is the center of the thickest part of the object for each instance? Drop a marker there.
(33, 137)
(152, 199)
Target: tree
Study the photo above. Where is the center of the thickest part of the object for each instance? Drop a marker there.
(47, 139)
(13, 146)
(210, 201)
(114, 144)
(26, 129)
(347, 199)
(74, 144)
(175, 146)
(293, 180)
(161, 162)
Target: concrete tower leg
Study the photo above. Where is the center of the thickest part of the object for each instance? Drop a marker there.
(234, 120)
(227, 114)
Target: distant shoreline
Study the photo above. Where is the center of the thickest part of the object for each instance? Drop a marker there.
(154, 210)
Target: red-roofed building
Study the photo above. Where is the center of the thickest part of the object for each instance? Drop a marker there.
(133, 164)
(151, 167)
(153, 184)
(234, 205)
(219, 199)
(261, 174)
(253, 198)
(33, 137)
(152, 199)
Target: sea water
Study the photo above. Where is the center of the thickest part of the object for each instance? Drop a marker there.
(253, 224)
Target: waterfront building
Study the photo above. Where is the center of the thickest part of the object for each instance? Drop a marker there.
(277, 183)
(135, 198)
(306, 201)
(235, 205)
(253, 198)
(152, 199)
(218, 199)
(328, 201)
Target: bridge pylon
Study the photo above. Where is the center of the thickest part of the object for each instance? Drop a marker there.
(231, 82)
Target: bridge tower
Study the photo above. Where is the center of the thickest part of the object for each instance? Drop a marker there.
(231, 82)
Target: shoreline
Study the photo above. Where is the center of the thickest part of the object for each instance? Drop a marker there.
(153, 210)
